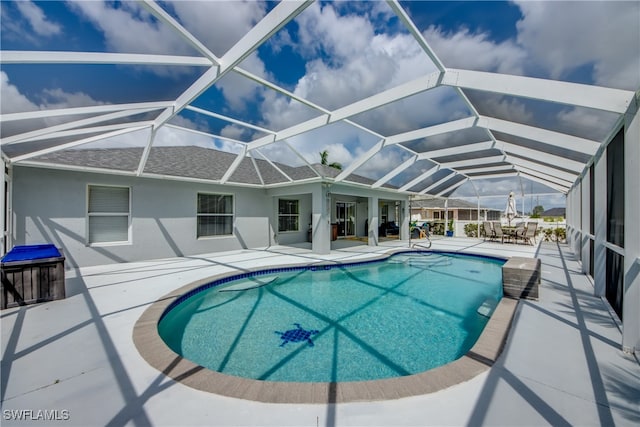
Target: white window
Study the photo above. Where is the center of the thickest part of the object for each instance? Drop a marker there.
(288, 215)
(108, 214)
(215, 215)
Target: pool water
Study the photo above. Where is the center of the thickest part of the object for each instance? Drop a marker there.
(405, 315)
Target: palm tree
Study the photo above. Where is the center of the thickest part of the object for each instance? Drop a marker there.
(324, 160)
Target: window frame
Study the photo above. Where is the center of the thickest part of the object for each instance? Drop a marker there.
(297, 201)
(88, 215)
(232, 214)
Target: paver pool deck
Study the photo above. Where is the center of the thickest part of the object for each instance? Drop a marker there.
(561, 364)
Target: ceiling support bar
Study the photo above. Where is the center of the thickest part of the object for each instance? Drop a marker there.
(395, 172)
(438, 183)
(420, 178)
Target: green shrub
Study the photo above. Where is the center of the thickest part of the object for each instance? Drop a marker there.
(436, 227)
(471, 230)
(553, 219)
(554, 234)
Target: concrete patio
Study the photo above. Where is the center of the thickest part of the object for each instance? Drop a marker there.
(562, 363)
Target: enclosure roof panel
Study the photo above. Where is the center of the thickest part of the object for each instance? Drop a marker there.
(432, 98)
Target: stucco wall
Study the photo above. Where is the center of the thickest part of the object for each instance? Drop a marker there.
(291, 237)
(49, 206)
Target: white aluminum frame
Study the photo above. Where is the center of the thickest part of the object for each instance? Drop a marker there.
(555, 171)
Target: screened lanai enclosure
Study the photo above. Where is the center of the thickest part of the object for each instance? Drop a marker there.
(118, 115)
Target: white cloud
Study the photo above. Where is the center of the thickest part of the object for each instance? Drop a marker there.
(562, 36)
(554, 40)
(239, 133)
(586, 123)
(463, 49)
(230, 19)
(333, 138)
(57, 98)
(343, 142)
(383, 163)
(281, 153)
(132, 139)
(12, 101)
(129, 28)
(280, 112)
(40, 24)
(340, 72)
(425, 109)
(505, 108)
(240, 92)
(167, 136)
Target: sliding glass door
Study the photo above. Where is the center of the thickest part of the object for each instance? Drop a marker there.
(346, 218)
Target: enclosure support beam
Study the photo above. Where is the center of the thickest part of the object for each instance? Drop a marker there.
(631, 301)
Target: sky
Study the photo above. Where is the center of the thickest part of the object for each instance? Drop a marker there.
(332, 54)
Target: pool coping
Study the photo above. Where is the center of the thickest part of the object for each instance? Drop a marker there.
(155, 352)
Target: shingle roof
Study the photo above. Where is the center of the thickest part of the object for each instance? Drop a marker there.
(192, 162)
(124, 159)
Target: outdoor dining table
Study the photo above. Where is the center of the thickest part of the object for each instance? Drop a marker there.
(509, 232)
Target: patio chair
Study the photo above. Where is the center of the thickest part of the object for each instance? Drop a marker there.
(488, 231)
(518, 232)
(497, 231)
(530, 233)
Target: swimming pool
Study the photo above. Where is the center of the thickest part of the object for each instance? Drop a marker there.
(408, 314)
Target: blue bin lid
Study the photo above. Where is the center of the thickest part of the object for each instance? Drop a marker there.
(29, 252)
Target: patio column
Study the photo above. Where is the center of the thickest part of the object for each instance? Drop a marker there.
(600, 226)
(405, 220)
(478, 219)
(373, 220)
(574, 227)
(321, 220)
(446, 214)
(631, 301)
(585, 240)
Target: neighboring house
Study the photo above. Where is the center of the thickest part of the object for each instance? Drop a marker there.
(94, 205)
(434, 209)
(460, 211)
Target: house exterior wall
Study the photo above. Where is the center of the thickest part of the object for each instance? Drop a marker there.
(292, 237)
(323, 199)
(50, 206)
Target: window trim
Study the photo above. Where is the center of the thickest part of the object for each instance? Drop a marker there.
(288, 215)
(232, 215)
(107, 214)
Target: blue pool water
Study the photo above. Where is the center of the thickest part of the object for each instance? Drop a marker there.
(407, 314)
